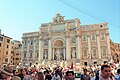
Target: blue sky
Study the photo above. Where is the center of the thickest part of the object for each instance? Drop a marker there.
(20, 16)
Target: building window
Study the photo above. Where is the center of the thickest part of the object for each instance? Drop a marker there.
(104, 51)
(105, 62)
(0, 44)
(30, 53)
(101, 26)
(84, 38)
(7, 46)
(94, 52)
(93, 36)
(95, 62)
(17, 58)
(1, 38)
(17, 54)
(85, 53)
(6, 60)
(37, 42)
(31, 42)
(37, 55)
(102, 36)
(12, 52)
(25, 43)
(8, 41)
(85, 63)
(30, 64)
(6, 52)
(24, 54)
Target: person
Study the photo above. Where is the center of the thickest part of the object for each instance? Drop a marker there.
(20, 74)
(105, 72)
(85, 76)
(96, 77)
(5, 74)
(26, 76)
(117, 75)
(56, 76)
(91, 73)
(70, 75)
(15, 75)
(40, 76)
(48, 75)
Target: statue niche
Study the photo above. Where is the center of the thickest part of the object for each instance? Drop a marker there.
(58, 55)
(45, 55)
(73, 52)
(72, 41)
(45, 42)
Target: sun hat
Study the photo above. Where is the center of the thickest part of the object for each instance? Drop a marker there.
(5, 71)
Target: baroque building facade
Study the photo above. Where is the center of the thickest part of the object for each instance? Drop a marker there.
(67, 41)
(10, 50)
(5, 49)
(16, 52)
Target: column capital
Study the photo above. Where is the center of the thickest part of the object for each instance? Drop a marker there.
(88, 35)
(41, 39)
(97, 34)
(106, 33)
(78, 36)
(67, 36)
(49, 38)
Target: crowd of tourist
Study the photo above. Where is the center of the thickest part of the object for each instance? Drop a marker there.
(105, 71)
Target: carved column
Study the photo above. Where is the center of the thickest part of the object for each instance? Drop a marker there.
(40, 49)
(64, 53)
(89, 48)
(89, 44)
(22, 55)
(68, 48)
(28, 55)
(34, 55)
(49, 50)
(53, 53)
(98, 45)
(78, 47)
(108, 45)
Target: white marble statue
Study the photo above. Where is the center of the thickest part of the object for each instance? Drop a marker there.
(45, 54)
(73, 53)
